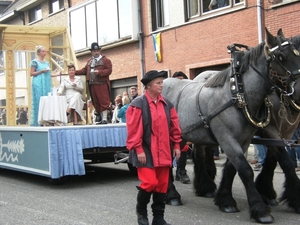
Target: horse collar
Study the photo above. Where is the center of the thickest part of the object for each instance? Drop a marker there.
(238, 93)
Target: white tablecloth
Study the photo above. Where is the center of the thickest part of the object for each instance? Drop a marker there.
(52, 111)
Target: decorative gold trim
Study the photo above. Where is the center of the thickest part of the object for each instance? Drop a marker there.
(260, 124)
(295, 105)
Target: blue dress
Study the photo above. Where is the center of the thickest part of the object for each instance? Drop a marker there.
(41, 85)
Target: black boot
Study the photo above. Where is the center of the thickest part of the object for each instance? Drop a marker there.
(177, 177)
(158, 209)
(184, 178)
(173, 197)
(181, 171)
(143, 198)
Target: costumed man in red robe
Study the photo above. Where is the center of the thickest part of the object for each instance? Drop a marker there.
(97, 71)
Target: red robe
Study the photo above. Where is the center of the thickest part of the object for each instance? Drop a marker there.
(99, 84)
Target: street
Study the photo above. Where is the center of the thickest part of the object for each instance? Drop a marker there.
(107, 195)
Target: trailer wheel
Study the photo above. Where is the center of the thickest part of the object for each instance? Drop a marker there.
(57, 181)
(132, 169)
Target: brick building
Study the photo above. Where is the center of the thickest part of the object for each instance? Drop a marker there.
(194, 35)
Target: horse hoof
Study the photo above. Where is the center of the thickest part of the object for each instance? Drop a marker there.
(175, 202)
(209, 195)
(229, 209)
(272, 202)
(297, 210)
(265, 219)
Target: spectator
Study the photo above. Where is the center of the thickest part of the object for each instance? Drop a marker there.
(122, 112)
(125, 93)
(294, 152)
(22, 117)
(118, 106)
(3, 117)
(133, 92)
(261, 155)
(181, 172)
(215, 4)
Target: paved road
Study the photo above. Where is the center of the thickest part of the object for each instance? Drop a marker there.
(107, 195)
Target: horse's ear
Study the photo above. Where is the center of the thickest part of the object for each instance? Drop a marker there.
(270, 39)
(280, 33)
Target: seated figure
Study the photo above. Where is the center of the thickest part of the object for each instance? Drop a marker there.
(72, 88)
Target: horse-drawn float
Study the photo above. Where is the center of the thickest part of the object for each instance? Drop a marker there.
(53, 151)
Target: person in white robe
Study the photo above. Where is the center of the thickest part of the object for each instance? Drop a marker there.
(72, 88)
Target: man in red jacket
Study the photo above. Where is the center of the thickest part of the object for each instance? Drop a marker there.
(153, 138)
(97, 71)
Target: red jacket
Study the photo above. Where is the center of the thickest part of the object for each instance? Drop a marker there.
(161, 135)
(104, 67)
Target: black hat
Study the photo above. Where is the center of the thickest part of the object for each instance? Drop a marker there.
(95, 46)
(179, 74)
(152, 74)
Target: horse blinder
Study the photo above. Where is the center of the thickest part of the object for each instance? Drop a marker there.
(277, 55)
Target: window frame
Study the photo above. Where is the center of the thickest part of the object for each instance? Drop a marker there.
(52, 3)
(122, 31)
(201, 14)
(37, 10)
(160, 14)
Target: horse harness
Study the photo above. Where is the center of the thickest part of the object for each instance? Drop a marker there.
(237, 89)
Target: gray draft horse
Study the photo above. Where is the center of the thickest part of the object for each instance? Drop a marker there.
(224, 110)
(285, 119)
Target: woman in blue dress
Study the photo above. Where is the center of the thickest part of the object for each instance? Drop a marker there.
(41, 82)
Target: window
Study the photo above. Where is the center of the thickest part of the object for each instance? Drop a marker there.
(35, 14)
(21, 75)
(193, 8)
(103, 21)
(196, 8)
(160, 13)
(56, 5)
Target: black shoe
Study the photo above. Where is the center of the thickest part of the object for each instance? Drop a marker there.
(174, 202)
(101, 122)
(184, 178)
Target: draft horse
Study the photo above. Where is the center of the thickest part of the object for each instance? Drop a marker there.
(286, 102)
(224, 111)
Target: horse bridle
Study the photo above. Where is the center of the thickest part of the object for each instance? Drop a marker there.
(292, 76)
(276, 54)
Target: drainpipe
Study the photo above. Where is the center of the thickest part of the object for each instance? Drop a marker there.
(141, 41)
(259, 22)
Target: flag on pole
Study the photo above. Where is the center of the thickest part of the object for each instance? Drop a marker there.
(156, 45)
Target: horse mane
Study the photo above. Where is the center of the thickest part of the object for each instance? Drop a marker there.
(219, 79)
(296, 41)
(251, 55)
